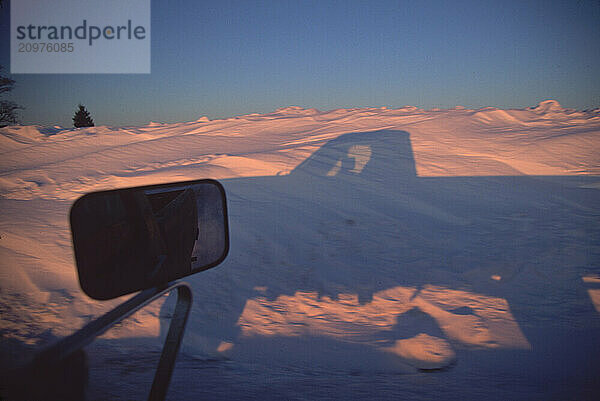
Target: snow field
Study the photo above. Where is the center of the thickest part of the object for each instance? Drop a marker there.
(362, 240)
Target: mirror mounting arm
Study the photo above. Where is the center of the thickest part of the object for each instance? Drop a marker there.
(162, 377)
(54, 354)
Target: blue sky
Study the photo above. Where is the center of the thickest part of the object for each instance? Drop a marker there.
(227, 58)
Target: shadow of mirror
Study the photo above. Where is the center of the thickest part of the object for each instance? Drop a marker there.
(131, 239)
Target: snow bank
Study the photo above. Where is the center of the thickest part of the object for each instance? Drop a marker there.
(405, 234)
(59, 163)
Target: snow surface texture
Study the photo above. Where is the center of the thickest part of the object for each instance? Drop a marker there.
(392, 254)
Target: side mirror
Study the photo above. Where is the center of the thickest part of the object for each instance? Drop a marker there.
(131, 239)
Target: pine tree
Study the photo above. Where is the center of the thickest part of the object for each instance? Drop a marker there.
(82, 118)
(8, 109)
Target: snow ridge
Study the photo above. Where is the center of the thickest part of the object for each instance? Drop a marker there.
(364, 242)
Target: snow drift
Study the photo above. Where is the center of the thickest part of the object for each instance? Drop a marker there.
(362, 240)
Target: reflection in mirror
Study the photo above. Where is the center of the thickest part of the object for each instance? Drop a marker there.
(130, 239)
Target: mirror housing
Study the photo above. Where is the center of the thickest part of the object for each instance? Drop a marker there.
(127, 240)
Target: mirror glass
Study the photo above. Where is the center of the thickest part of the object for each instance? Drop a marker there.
(130, 239)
